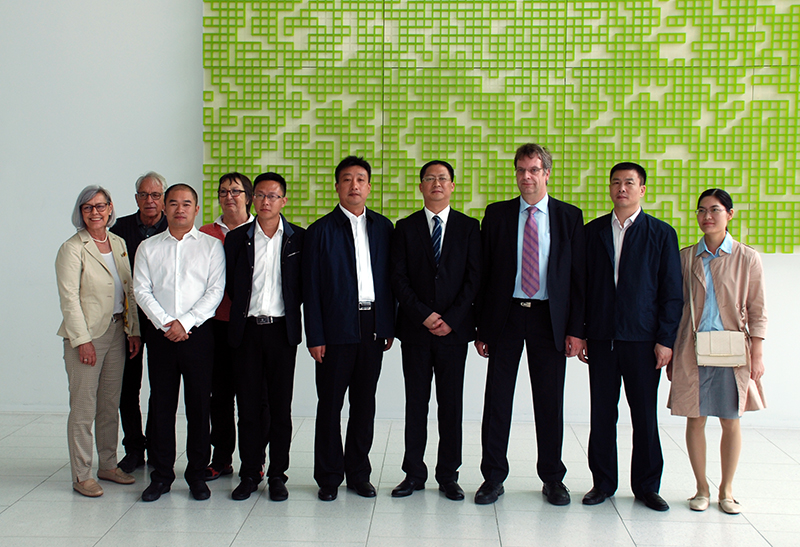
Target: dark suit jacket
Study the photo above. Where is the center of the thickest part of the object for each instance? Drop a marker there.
(566, 270)
(127, 228)
(330, 282)
(421, 288)
(240, 257)
(647, 302)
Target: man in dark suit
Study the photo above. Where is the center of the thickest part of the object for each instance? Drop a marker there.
(533, 281)
(148, 221)
(349, 319)
(435, 278)
(264, 282)
(633, 307)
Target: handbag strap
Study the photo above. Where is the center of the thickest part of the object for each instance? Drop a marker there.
(691, 292)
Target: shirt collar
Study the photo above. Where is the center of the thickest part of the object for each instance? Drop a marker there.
(226, 229)
(278, 233)
(726, 246)
(353, 218)
(194, 233)
(443, 214)
(628, 221)
(541, 204)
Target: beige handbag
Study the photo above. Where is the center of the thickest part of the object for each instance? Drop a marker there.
(721, 348)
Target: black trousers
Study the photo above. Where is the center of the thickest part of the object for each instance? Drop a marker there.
(223, 425)
(547, 367)
(421, 362)
(264, 373)
(353, 367)
(167, 362)
(130, 414)
(635, 364)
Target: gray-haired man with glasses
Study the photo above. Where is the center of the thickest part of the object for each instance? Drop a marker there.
(148, 221)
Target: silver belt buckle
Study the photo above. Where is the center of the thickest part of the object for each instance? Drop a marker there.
(364, 306)
(525, 303)
(264, 320)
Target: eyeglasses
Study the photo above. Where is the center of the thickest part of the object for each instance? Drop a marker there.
(101, 207)
(155, 195)
(701, 211)
(269, 197)
(533, 171)
(234, 193)
(443, 179)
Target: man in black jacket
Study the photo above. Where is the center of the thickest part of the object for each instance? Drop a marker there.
(264, 282)
(148, 221)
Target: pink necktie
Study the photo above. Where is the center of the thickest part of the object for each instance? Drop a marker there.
(530, 255)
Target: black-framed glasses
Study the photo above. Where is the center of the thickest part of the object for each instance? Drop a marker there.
(144, 195)
(88, 207)
(234, 193)
(269, 197)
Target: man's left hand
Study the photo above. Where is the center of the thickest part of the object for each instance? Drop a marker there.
(663, 355)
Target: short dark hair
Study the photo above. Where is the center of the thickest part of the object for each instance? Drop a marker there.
(723, 197)
(437, 162)
(533, 150)
(233, 176)
(630, 166)
(270, 176)
(350, 161)
(180, 186)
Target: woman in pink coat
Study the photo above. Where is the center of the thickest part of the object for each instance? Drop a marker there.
(727, 285)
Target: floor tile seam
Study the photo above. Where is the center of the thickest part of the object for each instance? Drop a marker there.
(622, 520)
(380, 476)
(249, 514)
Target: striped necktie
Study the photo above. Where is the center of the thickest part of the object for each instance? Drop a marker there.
(530, 255)
(436, 238)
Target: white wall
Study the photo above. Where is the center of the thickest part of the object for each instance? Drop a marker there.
(98, 92)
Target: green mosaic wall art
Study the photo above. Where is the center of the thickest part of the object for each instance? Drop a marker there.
(702, 93)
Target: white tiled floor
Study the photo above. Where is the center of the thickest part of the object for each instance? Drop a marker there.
(38, 506)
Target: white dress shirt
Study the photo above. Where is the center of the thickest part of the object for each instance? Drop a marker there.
(266, 297)
(543, 225)
(443, 215)
(618, 231)
(179, 280)
(366, 287)
(119, 293)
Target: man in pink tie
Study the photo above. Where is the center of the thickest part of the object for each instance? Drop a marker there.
(533, 281)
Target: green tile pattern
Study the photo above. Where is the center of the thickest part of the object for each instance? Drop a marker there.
(703, 93)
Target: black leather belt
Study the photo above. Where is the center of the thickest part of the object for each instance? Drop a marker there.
(266, 319)
(116, 317)
(528, 303)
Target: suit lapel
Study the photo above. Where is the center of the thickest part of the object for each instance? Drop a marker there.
(92, 249)
(424, 234)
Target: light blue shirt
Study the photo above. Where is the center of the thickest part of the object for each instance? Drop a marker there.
(711, 319)
(543, 223)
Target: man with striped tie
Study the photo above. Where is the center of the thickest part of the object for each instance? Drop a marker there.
(435, 278)
(533, 280)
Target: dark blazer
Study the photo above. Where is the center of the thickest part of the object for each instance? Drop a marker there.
(566, 270)
(127, 228)
(330, 282)
(421, 288)
(239, 258)
(647, 302)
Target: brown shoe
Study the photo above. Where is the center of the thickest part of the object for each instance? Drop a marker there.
(88, 488)
(115, 475)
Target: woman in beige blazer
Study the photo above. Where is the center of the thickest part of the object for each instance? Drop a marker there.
(96, 292)
(727, 286)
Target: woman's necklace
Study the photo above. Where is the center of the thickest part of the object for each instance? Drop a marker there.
(100, 240)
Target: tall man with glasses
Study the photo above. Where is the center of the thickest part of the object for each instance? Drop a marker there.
(533, 280)
(634, 300)
(435, 278)
(264, 282)
(349, 319)
(148, 221)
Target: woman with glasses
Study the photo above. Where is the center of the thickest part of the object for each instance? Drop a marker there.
(235, 194)
(96, 293)
(726, 282)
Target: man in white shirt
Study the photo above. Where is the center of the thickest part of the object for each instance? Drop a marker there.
(264, 283)
(179, 281)
(349, 319)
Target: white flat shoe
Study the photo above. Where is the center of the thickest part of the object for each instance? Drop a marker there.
(699, 503)
(730, 506)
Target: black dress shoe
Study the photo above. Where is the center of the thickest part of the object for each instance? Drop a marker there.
(245, 488)
(277, 489)
(199, 490)
(154, 491)
(407, 487)
(556, 493)
(452, 490)
(594, 496)
(488, 493)
(131, 461)
(653, 501)
(363, 489)
(328, 493)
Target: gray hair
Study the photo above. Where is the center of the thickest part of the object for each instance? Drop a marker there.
(155, 176)
(86, 194)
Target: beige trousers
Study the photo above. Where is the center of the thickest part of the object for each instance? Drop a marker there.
(94, 397)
